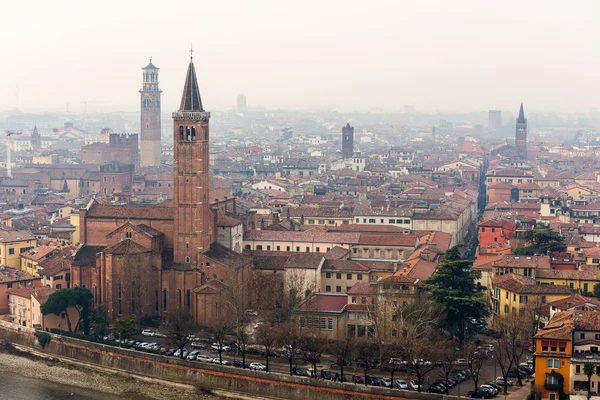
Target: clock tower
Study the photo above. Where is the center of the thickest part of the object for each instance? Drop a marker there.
(150, 117)
(521, 135)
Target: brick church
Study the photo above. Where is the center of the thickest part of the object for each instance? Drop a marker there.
(186, 253)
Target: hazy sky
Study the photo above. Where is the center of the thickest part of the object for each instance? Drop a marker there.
(350, 55)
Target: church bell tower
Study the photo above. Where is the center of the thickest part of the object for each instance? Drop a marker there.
(193, 231)
(150, 117)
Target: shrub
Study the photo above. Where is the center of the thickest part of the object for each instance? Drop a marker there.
(43, 338)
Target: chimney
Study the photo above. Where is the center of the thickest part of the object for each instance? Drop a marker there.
(262, 223)
(288, 213)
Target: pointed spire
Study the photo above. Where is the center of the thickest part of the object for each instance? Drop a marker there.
(521, 118)
(191, 101)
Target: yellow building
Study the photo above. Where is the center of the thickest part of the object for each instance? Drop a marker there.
(25, 309)
(323, 314)
(582, 281)
(74, 219)
(511, 293)
(592, 255)
(12, 244)
(31, 259)
(553, 357)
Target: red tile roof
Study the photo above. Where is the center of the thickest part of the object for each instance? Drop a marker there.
(321, 302)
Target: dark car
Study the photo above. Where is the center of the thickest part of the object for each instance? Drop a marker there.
(439, 389)
(240, 364)
(525, 370)
(358, 379)
(338, 378)
(170, 352)
(479, 394)
(513, 374)
(495, 386)
(299, 371)
(373, 380)
(326, 374)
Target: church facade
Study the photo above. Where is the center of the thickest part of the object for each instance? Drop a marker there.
(186, 253)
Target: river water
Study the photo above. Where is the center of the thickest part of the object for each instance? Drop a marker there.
(16, 387)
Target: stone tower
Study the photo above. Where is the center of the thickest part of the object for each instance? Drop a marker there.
(36, 139)
(150, 117)
(347, 141)
(521, 135)
(193, 230)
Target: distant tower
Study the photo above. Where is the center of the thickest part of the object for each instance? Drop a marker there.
(150, 117)
(241, 104)
(36, 139)
(347, 141)
(521, 135)
(191, 195)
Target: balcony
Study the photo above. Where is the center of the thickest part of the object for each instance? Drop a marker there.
(556, 377)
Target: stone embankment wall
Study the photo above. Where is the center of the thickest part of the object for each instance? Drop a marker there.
(205, 376)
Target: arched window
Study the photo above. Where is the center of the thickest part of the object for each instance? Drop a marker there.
(204, 133)
(165, 299)
(188, 300)
(193, 133)
(119, 298)
(187, 133)
(178, 298)
(187, 259)
(152, 77)
(181, 133)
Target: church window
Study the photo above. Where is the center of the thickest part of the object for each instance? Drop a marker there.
(156, 298)
(152, 77)
(188, 300)
(187, 245)
(164, 299)
(187, 133)
(178, 298)
(181, 133)
(187, 259)
(119, 298)
(113, 179)
(193, 133)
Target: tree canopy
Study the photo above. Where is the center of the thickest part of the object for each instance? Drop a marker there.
(453, 287)
(78, 298)
(542, 241)
(124, 328)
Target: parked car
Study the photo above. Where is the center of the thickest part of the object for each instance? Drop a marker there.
(461, 361)
(401, 384)
(299, 371)
(239, 364)
(414, 385)
(170, 352)
(162, 351)
(436, 389)
(500, 381)
(257, 366)
(198, 345)
(326, 374)
(495, 386)
(159, 335)
(217, 360)
(358, 379)
(203, 357)
(373, 380)
(148, 332)
(386, 382)
(192, 355)
(479, 394)
(251, 313)
(513, 374)
(490, 389)
(215, 347)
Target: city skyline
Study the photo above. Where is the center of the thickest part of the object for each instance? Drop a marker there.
(345, 57)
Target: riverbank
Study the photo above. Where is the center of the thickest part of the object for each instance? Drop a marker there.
(24, 364)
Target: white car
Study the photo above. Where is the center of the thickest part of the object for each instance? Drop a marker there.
(251, 313)
(500, 381)
(148, 332)
(386, 382)
(461, 361)
(205, 358)
(192, 355)
(216, 361)
(257, 366)
(414, 385)
(160, 335)
(401, 384)
(490, 389)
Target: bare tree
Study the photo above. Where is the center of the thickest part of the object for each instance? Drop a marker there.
(219, 331)
(367, 352)
(290, 339)
(178, 327)
(312, 345)
(448, 355)
(242, 339)
(515, 332)
(342, 350)
(475, 360)
(267, 336)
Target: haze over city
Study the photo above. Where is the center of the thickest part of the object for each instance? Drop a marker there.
(347, 55)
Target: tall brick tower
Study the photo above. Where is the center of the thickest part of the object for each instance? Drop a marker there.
(150, 117)
(193, 231)
(347, 141)
(521, 134)
(36, 140)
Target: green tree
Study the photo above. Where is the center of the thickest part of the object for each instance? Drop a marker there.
(99, 321)
(124, 328)
(453, 288)
(43, 338)
(541, 241)
(597, 290)
(589, 370)
(77, 298)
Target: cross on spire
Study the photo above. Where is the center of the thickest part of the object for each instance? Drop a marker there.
(191, 52)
